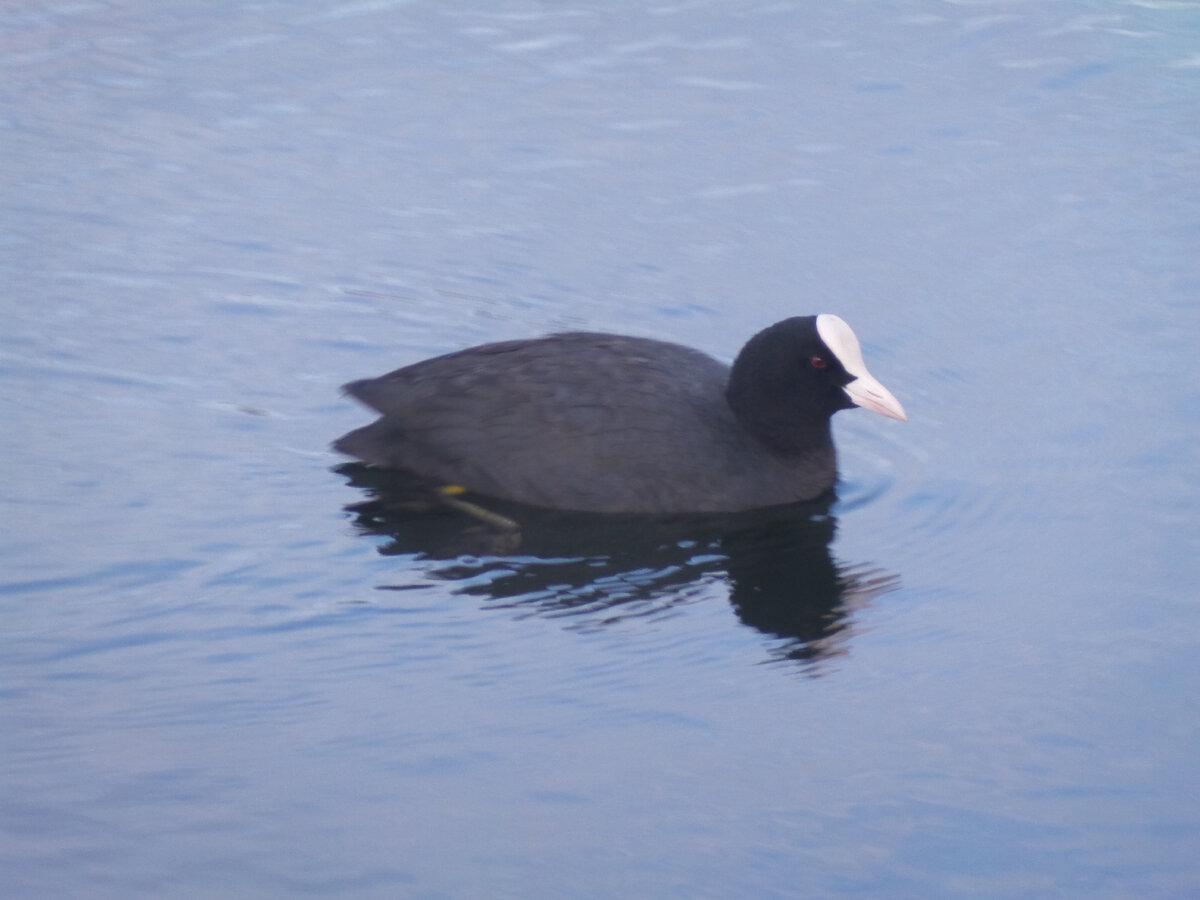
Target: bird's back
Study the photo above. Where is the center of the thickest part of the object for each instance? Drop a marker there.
(580, 421)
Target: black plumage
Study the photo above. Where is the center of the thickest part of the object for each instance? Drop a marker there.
(607, 423)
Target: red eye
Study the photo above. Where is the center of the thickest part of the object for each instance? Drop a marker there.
(817, 362)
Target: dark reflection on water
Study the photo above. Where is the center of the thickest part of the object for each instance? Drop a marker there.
(601, 568)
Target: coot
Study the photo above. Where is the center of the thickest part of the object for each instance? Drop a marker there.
(607, 423)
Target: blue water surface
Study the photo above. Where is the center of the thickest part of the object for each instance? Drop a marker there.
(225, 673)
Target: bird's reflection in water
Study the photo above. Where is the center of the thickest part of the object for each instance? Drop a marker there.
(600, 568)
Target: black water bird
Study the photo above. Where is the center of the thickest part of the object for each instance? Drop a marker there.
(608, 423)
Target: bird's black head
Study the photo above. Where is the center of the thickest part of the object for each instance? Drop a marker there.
(792, 377)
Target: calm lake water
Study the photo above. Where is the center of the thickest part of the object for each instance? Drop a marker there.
(976, 674)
